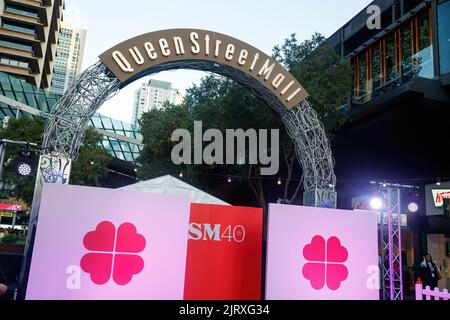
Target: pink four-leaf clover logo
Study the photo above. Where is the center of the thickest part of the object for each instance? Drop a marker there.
(325, 263)
(113, 253)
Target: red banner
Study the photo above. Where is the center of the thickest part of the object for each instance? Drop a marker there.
(10, 207)
(224, 253)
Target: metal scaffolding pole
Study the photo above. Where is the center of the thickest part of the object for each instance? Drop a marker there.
(391, 246)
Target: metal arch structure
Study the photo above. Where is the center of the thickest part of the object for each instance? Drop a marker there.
(69, 118)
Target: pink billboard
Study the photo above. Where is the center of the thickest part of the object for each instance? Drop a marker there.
(100, 244)
(321, 254)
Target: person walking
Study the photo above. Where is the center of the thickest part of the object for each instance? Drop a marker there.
(429, 272)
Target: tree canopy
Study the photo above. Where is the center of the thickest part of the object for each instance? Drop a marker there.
(222, 104)
(87, 169)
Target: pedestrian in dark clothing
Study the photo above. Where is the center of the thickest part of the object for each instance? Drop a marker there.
(429, 272)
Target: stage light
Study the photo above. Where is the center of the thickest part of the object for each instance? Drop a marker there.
(413, 207)
(376, 203)
(279, 182)
(229, 179)
(23, 165)
(24, 169)
(384, 185)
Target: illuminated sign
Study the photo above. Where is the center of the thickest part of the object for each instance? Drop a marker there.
(321, 254)
(112, 245)
(10, 207)
(6, 214)
(129, 59)
(439, 195)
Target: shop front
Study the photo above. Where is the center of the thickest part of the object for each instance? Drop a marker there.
(434, 229)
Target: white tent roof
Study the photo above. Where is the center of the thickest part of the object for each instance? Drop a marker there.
(173, 186)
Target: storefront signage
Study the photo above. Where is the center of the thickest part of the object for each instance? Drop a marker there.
(439, 195)
(129, 59)
(10, 207)
(6, 214)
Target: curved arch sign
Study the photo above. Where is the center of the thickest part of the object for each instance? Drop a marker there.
(129, 59)
(196, 49)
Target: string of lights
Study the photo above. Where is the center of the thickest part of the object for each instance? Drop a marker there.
(233, 177)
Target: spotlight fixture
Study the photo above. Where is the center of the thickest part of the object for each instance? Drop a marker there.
(413, 207)
(376, 203)
(24, 165)
(24, 169)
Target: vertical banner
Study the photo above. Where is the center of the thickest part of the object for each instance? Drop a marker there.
(51, 170)
(321, 254)
(320, 198)
(224, 253)
(100, 244)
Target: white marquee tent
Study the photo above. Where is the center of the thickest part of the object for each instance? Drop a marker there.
(173, 186)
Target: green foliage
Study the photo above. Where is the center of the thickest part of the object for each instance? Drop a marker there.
(22, 129)
(222, 104)
(92, 161)
(31, 130)
(156, 128)
(13, 239)
(325, 75)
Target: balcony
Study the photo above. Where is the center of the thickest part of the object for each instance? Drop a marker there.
(33, 11)
(17, 34)
(32, 21)
(33, 4)
(16, 70)
(398, 93)
(16, 50)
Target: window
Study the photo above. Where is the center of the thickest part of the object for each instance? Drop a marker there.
(376, 65)
(16, 45)
(444, 35)
(424, 56)
(390, 56)
(404, 53)
(14, 62)
(18, 28)
(17, 10)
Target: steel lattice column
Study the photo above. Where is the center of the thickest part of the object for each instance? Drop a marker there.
(391, 246)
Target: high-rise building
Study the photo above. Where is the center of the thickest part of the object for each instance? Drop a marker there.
(69, 57)
(28, 36)
(153, 95)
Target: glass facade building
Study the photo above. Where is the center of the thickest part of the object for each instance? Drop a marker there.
(28, 34)
(443, 17)
(405, 52)
(69, 57)
(122, 140)
(413, 43)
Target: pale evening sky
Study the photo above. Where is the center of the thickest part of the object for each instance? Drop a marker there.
(261, 23)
